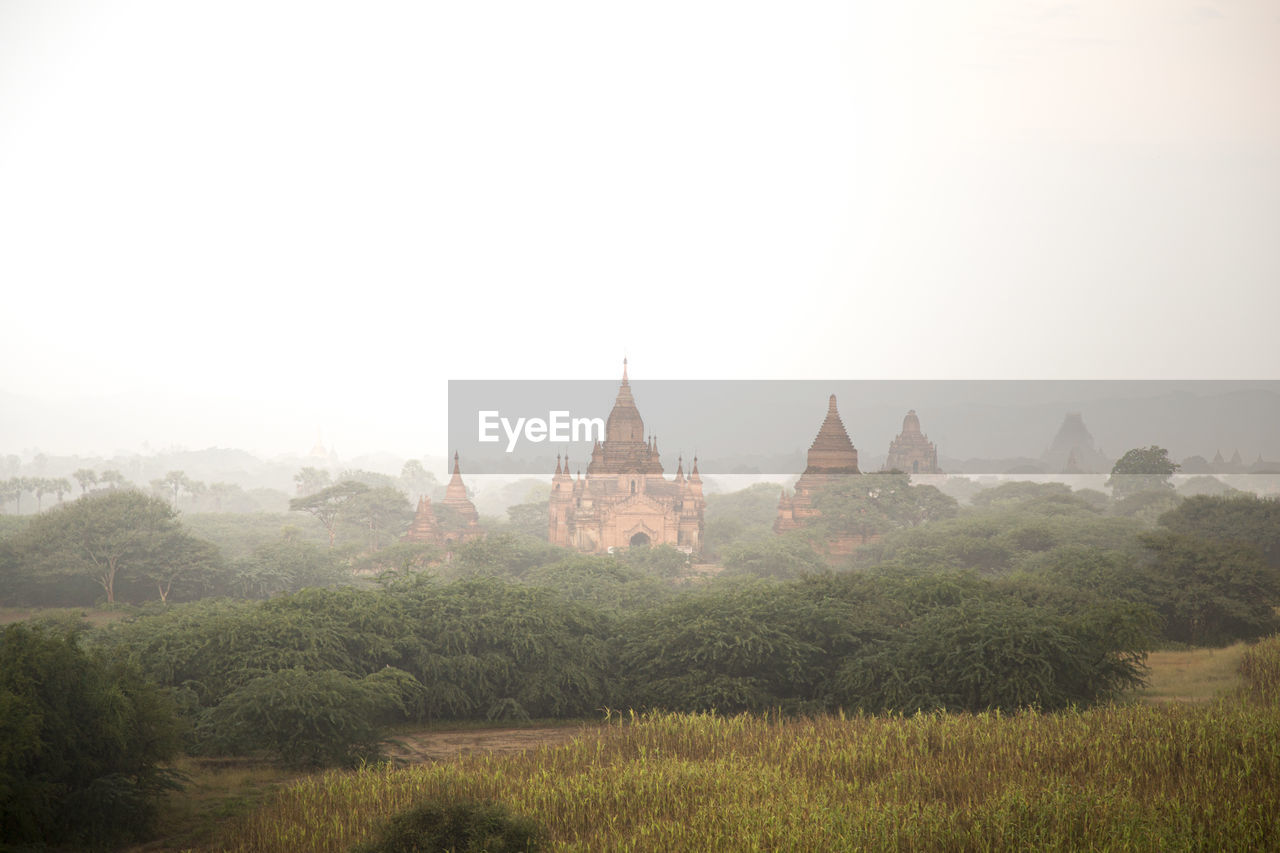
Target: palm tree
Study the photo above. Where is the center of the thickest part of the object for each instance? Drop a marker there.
(86, 478)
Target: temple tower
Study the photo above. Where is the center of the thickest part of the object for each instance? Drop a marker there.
(912, 452)
(625, 500)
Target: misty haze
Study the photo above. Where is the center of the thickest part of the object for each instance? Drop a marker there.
(672, 427)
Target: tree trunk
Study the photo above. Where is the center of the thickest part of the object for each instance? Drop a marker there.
(108, 581)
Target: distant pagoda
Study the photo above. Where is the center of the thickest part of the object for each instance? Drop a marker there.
(912, 452)
(1073, 451)
(458, 520)
(832, 457)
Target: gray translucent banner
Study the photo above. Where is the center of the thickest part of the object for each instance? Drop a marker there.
(763, 429)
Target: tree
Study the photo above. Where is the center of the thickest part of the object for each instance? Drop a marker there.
(382, 513)
(83, 740)
(990, 654)
(86, 477)
(220, 492)
(186, 559)
(310, 480)
(1142, 469)
(528, 519)
(1242, 518)
(286, 566)
(780, 557)
(10, 490)
(327, 505)
(1211, 591)
(870, 504)
(416, 479)
(41, 486)
(102, 535)
(113, 478)
(176, 481)
(307, 719)
(59, 486)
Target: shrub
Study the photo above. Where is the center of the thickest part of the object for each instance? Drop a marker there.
(304, 718)
(81, 741)
(460, 827)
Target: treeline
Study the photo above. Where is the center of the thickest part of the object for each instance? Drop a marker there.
(1208, 570)
(307, 678)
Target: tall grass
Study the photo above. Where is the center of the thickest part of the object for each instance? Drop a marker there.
(1132, 777)
(1192, 675)
(1260, 670)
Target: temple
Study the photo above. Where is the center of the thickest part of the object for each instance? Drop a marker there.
(1073, 450)
(625, 500)
(912, 452)
(831, 456)
(457, 521)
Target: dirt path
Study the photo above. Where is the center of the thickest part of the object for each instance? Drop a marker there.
(421, 747)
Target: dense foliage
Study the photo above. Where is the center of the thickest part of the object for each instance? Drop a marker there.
(103, 540)
(82, 741)
(1034, 596)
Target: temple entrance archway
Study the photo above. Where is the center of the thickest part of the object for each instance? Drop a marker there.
(640, 538)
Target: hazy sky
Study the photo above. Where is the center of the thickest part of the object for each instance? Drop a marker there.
(260, 219)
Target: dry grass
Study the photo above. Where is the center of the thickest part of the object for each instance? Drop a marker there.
(215, 791)
(1145, 777)
(1192, 675)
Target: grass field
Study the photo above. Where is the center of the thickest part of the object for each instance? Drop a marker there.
(1170, 777)
(1188, 764)
(1192, 675)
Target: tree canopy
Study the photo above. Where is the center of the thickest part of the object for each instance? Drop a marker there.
(107, 535)
(1142, 469)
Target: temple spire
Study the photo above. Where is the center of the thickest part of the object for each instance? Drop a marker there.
(832, 451)
(624, 371)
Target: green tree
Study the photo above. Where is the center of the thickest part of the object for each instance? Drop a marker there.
(10, 490)
(738, 517)
(1142, 469)
(113, 478)
(82, 741)
(86, 477)
(872, 504)
(1241, 518)
(311, 480)
(381, 513)
(287, 566)
(328, 504)
(186, 559)
(1211, 592)
(780, 557)
(416, 480)
(174, 482)
(305, 718)
(59, 486)
(529, 519)
(103, 535)
(992, 654)
(40, 486)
